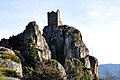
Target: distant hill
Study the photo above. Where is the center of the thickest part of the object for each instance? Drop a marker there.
(109, 71)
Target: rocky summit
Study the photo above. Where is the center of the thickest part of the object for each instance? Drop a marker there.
(57, 54)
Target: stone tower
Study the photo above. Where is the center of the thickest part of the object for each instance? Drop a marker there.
(54, 18)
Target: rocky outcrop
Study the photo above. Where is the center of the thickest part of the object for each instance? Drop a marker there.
(59, 54)
(10, 62)
(3, 49)
(66, 42)
(91, 63)
(7, 63)
(31, 37)
(26, 45)
(62, 70)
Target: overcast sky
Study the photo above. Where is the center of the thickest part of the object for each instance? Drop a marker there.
(98, 21)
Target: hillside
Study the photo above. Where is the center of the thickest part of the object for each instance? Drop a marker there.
(109, 70)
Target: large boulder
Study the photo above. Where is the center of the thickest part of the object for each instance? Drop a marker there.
(10, 64)
(65, 43)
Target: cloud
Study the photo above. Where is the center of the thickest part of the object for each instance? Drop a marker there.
(98, 14)
(94, 14)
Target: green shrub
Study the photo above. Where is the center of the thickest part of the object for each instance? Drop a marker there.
(17, 53)
(75, 70)
(34, 53)
(48, 70)
(13, 57)
(8, 72)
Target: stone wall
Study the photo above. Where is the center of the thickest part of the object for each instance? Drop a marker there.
(54, 18)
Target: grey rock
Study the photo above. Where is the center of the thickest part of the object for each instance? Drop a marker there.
(8, 63)
(91, 63)
(6, 50)
(32, 32)
(29, 38)
(27, 41)
(62, 70)
(65, 42)
(11, 78)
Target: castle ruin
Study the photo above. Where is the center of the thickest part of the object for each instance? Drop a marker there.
(54, 18)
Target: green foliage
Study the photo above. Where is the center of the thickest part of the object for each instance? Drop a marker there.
(34, 54)
(3, 62)
(13, 57)
(51, 71)
(46, 71)
(17, 53)
(75, 70)
(87, 75)
(31, 61)
(8, 72)
(3, 78)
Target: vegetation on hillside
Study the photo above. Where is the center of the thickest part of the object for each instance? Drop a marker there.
(48, 70)
(8, 72)
(75, 70)
(7, 55)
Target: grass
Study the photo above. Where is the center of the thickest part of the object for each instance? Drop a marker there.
(2, 78)
(7, 72)
(13, 57)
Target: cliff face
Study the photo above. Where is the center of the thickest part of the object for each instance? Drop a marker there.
(66, 42)
(31, 47)
(29, 38)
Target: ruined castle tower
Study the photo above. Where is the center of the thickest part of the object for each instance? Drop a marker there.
(54, 18)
